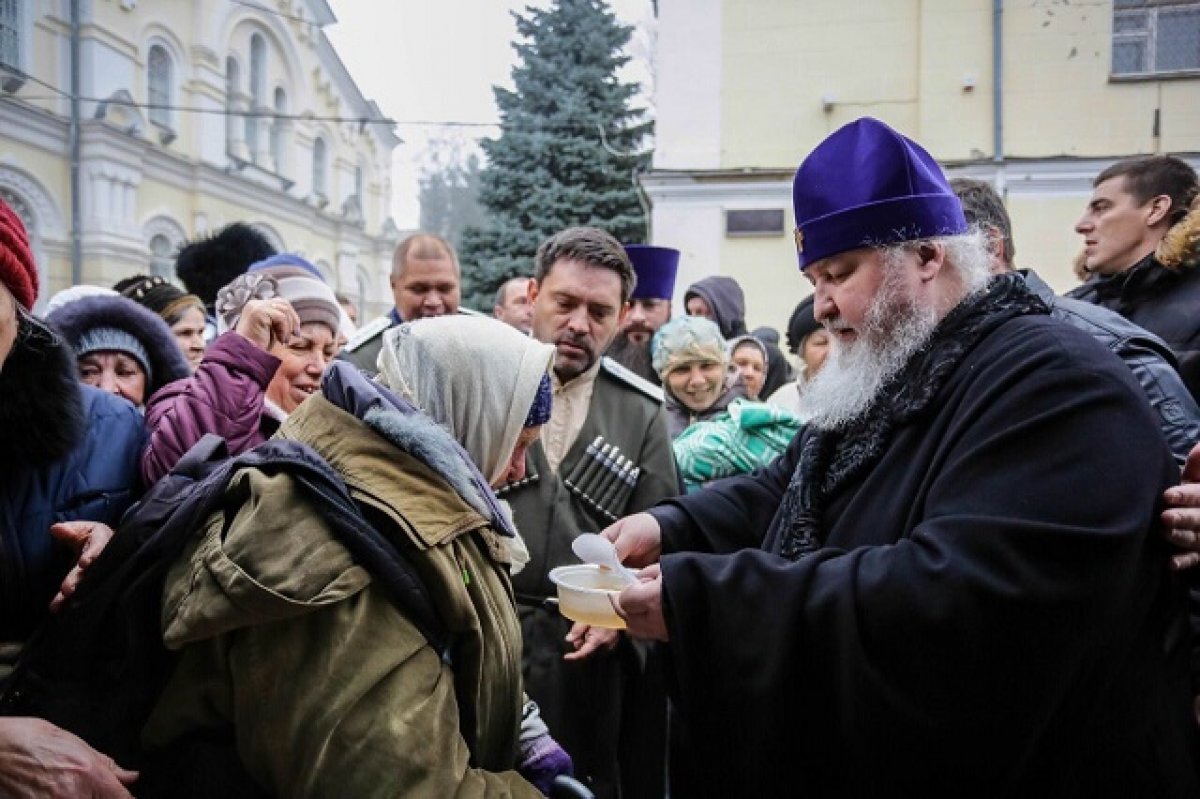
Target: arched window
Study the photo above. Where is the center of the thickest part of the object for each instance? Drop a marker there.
(162, 256)
(232, 79)
(319, 167)
(258, 82)
(258, 68)
(363, 283)
(158, 82)
(279, 131)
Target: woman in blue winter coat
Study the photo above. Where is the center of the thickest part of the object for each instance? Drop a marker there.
(68, 473)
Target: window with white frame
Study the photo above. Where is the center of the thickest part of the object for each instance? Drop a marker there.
(258, 82)
(232, 78)
(158, 83)
(10, 34)
(162, 256)
(1155, 37)
(279, 132)
(319, 167)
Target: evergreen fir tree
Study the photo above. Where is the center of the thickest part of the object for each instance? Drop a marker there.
(568, 147)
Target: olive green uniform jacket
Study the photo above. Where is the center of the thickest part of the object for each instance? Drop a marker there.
(582, 702)
(329, 689)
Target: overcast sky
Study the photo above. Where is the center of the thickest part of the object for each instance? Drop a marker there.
(435, 61)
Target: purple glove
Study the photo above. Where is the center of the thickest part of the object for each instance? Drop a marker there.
(542, 759)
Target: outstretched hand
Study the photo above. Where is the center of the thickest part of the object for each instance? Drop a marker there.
(637, 539)
(589, 640)
(88, 540)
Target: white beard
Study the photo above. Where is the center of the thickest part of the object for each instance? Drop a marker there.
(894, 329)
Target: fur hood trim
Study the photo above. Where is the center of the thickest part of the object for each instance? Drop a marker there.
(430, 443)
(1180, 248)
(167, 364)
(42, 415)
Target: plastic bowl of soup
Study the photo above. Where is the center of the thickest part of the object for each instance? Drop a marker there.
(583, 594)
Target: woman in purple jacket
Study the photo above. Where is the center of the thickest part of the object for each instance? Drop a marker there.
(280, 323)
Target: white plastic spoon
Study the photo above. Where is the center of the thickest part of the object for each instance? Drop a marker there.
(599, 550)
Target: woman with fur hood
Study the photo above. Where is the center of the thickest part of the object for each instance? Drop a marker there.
(369, 707)
(69, 471)
(120, 347)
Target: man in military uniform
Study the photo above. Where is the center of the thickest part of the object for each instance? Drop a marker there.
(425, 282)
(649, 307)
(604, 453)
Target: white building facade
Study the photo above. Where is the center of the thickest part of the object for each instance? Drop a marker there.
(192, 114)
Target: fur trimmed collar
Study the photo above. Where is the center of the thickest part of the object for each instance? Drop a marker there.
(1180, 248)
(41, 402)
(831, 459)
(167, 363)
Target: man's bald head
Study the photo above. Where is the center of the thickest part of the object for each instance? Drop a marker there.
(425, 277)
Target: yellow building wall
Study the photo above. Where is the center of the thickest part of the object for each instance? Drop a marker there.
(1045, 238)
(769, 274)
(925, 67)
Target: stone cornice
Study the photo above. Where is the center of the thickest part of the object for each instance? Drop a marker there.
(36, 127)
(1024, 176)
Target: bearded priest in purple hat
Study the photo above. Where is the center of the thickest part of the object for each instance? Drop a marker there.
(649, 308)
(950, 583)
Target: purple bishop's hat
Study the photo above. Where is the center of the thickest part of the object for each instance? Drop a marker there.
(655, 268)
(868, 186)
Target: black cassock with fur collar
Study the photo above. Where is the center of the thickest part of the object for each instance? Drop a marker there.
(975, 600)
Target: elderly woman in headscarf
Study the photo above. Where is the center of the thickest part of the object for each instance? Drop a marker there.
(120, 347)
(370, 707)
(183, 313)
(279, 331)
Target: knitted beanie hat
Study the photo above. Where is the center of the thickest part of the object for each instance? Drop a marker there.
(302, 287)
(112, 339)
(18, 272)
(686, 339)
(160, 296)
(108, 322)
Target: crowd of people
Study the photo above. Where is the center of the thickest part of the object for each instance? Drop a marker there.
(947, 543)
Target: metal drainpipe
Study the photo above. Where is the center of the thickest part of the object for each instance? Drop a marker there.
(997, 81)
(76, 204)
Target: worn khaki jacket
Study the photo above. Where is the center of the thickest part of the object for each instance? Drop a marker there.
(330, 691)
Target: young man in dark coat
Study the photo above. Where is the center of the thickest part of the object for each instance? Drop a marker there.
(950, 583)
(1141, 235)
(1148, 357)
